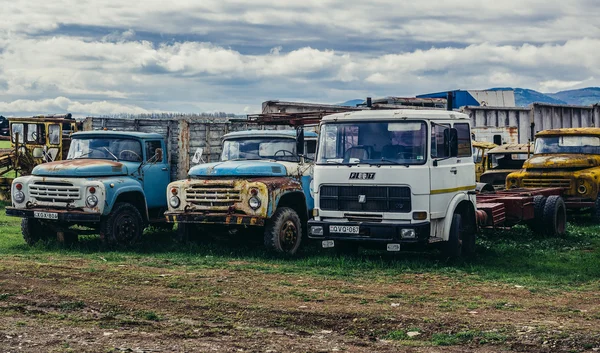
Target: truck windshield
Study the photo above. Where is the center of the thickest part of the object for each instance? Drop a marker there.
(281, 149)
(121, 149)
(377, 142)
(567, 144)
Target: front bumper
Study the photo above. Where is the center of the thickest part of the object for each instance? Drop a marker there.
(227, 219)
(373, 232)
(63, 215)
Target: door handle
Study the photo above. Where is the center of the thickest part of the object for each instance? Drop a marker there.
(453, 170)
(164, 169)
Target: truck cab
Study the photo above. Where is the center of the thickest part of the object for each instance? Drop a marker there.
(112, 182)
(262, 182)
(565, 158)
(393, 177)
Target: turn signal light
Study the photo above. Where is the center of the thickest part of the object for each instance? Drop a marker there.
(92, 190)
(19, 186)
(254, 192)
(419, 216)
(174, 191)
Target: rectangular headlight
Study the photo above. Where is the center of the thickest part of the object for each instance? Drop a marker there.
(316, 230)
(408, 234)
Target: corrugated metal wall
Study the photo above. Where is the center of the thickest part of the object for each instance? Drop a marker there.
(544, 116)
(183, 135)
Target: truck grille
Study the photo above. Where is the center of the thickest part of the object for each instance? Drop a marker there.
(212, 196)
(54, 192)
(376, 198)
(547, 182)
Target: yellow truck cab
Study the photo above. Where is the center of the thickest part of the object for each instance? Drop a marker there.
(480, 149)
(503, 160)
(567, 158)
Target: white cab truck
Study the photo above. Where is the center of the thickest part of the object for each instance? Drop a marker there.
(393, 177)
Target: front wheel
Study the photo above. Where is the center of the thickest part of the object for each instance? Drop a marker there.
(284, 231)
(453, 247)
(33, 231)
(123, 226)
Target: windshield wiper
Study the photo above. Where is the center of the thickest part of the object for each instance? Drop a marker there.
(390, 161)
(112, 154)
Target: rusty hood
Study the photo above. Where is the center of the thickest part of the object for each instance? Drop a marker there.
(555, 161)
(239, 168)
(81, 168)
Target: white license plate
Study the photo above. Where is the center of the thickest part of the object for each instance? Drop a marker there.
(327, 244)
(393, 247)
(344, 229)
(45, 215)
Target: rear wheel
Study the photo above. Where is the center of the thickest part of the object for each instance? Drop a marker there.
(283, 232)
(555, 216)
(537, 223)
(123, 226)
(33, 231)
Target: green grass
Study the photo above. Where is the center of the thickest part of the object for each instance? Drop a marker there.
(516, 257)
(4, 144)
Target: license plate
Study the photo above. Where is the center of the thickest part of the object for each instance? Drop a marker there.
(344, 229)
(328, 244)
(45, 215)
(393, 247)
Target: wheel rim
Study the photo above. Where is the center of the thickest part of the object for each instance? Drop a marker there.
(288, 236)
(126, 228)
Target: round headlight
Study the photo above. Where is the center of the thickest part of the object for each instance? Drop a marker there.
(174, 201)
(18, 196)
(581, 189)
(91, 201)
(254, 202)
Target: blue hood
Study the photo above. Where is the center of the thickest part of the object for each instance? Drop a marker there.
(239, 168)
(81, 168)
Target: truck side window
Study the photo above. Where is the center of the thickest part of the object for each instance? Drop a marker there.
(18, 129)
(54, 134)
(36, 133)
(153, 148)
(464, 139)
(437, 141)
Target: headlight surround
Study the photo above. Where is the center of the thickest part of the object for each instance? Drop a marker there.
(316, 230)
(19, 196)
(174, 201)
(91, 201)
(254, 203)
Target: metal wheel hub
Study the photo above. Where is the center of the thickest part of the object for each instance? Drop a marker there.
(288, 235)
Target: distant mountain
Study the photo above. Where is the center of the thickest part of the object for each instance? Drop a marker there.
(583, 96)
(524, 96)
(352, 103)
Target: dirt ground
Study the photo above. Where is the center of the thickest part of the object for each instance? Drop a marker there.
(80, 305)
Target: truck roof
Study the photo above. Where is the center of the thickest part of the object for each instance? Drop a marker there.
(134, 134)
(427, 114)
(268, 133)
(512, 148)
(570, 131)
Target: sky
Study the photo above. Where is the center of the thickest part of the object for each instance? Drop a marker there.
(135, 57)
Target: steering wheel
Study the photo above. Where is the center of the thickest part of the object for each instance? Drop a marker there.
(34, 136)
(283, 152)
(129, 151)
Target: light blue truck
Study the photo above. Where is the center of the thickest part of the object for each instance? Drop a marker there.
(261, 183)
(112, 183)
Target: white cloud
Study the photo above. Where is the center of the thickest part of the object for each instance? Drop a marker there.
(231, 55)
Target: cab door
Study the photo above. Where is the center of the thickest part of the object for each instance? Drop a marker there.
(157, 174)
(465, 170)
(443, 173)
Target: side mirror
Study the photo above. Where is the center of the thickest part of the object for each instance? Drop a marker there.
(451, 142)
(300, 141)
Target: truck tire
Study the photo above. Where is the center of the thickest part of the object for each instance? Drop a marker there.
(33, 231)
(283, 232)
(123, 226)
(468, 234)
(453, 247)
(537, 223)
(555, 216)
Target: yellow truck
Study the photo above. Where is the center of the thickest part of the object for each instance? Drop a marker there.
(480, 149)
(566, 158)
